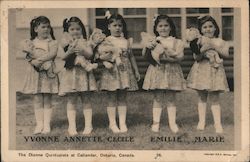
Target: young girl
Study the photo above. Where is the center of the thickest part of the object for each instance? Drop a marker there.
(204, 77)
(117, 80)
(37, 81)
(166, 78)
(76, 80)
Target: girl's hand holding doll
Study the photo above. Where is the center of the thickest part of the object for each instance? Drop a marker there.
(71, 49)
(206, 44)
(107, 65)
(164, 59)
(111, 54)
(82, 48)
(151, 44)
(173, 55)
(206, 47)
(36, 62)
(170, 52)
(106, 57)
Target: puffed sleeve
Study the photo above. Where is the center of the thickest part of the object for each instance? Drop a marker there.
(221, 46)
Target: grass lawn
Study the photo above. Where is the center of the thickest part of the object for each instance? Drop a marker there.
(139, 119)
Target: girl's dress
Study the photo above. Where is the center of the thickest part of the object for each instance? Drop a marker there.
(74, 78)
(116, 78)
(204, 76)
(38, 81)
(167, 75)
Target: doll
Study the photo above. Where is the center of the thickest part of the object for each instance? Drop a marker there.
(29, 47)
(78, 44)
(200, 43)
(159, 50)
(105, 49)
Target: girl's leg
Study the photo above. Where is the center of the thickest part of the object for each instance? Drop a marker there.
(216, 111)
(122, 110)
(38, 109)
(71, 113)
(157, 109)
(87, 112)
(47, 112)
(202, 104)
(111, 110)
(170, 98)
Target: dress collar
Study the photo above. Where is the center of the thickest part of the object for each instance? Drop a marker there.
(43, 40)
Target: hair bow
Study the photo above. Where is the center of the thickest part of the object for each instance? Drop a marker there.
(34, 19)
(201, 16)
(107, 14)
(155, 17)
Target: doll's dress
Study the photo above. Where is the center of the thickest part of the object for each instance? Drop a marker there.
(38, 81)
(168, 75)
(116, 78)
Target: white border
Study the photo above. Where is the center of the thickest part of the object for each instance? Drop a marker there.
(177, 155)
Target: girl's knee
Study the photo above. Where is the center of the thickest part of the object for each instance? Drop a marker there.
(214, 98)
(202, 95)
(122, 103)
(47, 100)
(157, 103)
(47, 96)
(121, 95)
(38, 98)
(170, 97)
(86, 98)
(170, 103)
(72, 99)
(111, 104)
(38, 101)
(122, 98)
(111, 98)
(158, 96)
(87, 105)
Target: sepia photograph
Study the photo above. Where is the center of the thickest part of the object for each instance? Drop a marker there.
(119, 81)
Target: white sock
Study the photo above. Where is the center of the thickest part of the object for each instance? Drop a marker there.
(156, 119)
(39, 121)
(216, 111)
(122, 111)
(88, 121)
(47, 117)
(71, 114)
(112, 119)
(172, 119)
(202, 115)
